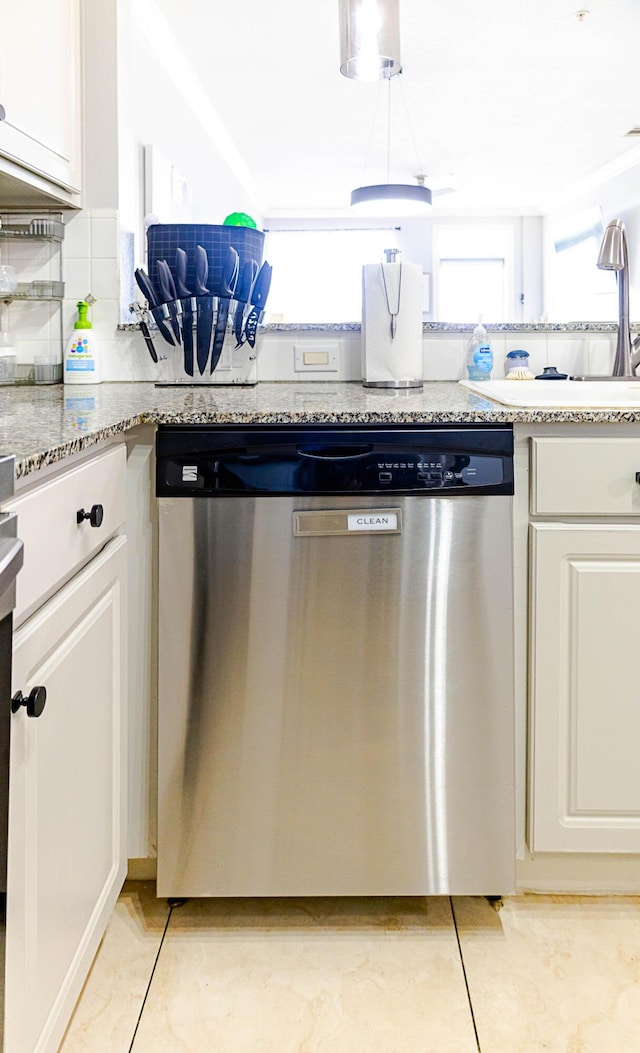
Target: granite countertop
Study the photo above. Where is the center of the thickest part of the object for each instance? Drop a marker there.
(434, 327)
(42, 425)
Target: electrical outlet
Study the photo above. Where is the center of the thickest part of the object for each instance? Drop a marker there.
(316, 357)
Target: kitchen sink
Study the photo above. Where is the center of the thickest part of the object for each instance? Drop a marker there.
(592, 394)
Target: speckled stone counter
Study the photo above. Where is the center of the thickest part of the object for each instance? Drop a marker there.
(43, 425)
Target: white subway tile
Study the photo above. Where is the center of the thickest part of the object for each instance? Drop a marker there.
(76, 244)
(275, 360)
(77, 279)
(105, 315)
(350, 357)
(568, 352)
(69, 316)
(443, 358)
(601, 353)
(499, 348)
(116, 360)
(104, 239)
(105, 279)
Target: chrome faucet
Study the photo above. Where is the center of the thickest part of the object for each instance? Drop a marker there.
(614, 256)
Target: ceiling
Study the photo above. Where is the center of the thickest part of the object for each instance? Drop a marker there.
(507, 102)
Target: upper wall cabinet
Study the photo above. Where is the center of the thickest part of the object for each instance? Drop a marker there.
(40, 79)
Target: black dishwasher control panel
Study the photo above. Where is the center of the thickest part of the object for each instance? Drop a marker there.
(216, 461)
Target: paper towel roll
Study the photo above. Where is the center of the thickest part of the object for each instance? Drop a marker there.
(386, 360)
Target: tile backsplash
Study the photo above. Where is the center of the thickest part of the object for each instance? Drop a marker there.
(91, 265)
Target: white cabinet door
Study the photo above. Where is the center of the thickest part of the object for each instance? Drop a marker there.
(67, 846)
(585, 701)
(40, 88)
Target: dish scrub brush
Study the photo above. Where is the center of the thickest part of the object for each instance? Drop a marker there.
(518, 366)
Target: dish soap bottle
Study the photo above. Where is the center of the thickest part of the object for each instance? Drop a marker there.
(479, 354)
(81, 358)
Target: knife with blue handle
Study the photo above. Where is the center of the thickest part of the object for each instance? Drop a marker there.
(148, 290)
(258, 300)
(181, 273)
(228, 287)
(168, 293)
(188, 309)
(205, 309)
(243, 288)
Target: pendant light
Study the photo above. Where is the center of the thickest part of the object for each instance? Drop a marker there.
(398, 199)
(393, 199)
(369, 39)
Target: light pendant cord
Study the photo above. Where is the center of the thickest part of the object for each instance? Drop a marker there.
(389, 131)
(367, 155)
(413, 137)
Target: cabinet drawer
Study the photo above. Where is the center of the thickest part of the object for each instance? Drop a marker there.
(585, 476)
(55, 544)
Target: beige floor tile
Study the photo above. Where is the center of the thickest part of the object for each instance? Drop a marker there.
(308, 976)
(556, 974)
(105, 1017)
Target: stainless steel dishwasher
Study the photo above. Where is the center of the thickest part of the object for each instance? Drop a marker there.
(336, 710)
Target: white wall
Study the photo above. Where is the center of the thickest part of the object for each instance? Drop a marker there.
(162, 103)
(140, 90)
(618, 195)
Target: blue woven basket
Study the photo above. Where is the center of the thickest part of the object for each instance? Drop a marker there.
(164, 238)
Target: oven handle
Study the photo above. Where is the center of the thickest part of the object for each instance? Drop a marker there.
(333, 453)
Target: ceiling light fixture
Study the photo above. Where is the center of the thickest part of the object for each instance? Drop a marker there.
(393, 199)
(369, 39)
(397, 199)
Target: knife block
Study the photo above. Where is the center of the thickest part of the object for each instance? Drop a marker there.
(164, 238)
(236, 365)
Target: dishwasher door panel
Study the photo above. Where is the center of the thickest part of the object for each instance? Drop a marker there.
(336, 712)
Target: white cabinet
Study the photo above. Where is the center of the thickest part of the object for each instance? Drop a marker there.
(68, 782)
(40, 66)
(55, 503)
(584, 632)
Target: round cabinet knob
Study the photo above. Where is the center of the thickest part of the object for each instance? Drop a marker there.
(3, 112)
(95, 516)
(34, 703)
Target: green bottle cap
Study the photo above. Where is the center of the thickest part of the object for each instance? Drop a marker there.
(83, 322)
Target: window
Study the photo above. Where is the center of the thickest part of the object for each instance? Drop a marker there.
(470, 288)
(317, 274)
(577, 290)
(473, 272)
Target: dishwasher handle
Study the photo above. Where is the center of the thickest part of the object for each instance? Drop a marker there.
(336, 453)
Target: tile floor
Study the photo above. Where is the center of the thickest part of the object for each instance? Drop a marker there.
(557, 974)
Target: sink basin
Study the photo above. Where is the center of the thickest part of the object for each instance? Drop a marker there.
(590, 394)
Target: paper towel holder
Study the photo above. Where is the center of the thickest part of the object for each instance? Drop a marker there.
(385, 363)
